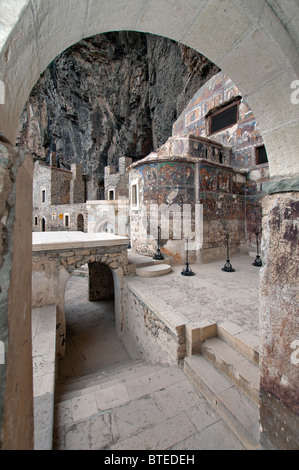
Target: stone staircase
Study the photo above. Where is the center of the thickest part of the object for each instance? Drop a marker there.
(116, 374)
(226, 372)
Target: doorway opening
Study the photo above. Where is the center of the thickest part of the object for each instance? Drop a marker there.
(80, 223)
(92, 344)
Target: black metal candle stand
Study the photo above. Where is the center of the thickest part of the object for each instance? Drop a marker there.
(187, 271)
(228, 267)
(257, 261)
(158, 255)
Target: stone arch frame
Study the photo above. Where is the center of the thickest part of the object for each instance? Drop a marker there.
(67, 265)
(100, 223)
(255, 43)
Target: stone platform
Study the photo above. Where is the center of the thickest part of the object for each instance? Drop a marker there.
(210, 294)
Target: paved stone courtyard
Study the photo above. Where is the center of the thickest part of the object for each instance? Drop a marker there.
(110, 401)
(211, 293)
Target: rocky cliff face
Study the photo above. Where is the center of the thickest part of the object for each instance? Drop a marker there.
(111, 95)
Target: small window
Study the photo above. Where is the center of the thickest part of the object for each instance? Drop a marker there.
(66, 220)
(134, 195)
(224, 118)
(35, 221)
(43, 196)
(261, 155)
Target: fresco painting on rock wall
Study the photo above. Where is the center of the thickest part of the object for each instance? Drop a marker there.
(243, 137)
(176, 174)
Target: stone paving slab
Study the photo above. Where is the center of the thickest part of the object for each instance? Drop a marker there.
(165, 413)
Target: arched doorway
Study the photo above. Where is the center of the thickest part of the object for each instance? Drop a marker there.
(80, 223)
(43, 224)
(250, 41)
(91, 338)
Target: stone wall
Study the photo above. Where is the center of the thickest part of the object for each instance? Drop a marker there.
(55, 219)
(77, 185)
(60, 186)
(64, 196)
(146, 334)
(41, 182)
(279, 322)
(222, 194)
(117, 181)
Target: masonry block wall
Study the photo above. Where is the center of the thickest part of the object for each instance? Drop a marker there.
(58, 199)
(60, 186)
(116, 182)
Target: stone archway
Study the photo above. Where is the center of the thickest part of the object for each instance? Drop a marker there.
(91, 341)
(106, 225)
(257, 46)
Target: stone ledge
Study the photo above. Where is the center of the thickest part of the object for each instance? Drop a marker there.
(45, 241)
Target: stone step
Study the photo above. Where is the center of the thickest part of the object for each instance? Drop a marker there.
(238, 368)
(243, 341)
(233, 405)
(127, 370)
(153, 270)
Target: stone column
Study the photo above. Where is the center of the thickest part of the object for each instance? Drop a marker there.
(279, 322)
(16, 375)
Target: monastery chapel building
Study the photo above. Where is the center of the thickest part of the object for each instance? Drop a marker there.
(232, 163)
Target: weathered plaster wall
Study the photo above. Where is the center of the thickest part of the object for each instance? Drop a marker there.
(222, 194)
(279, 322)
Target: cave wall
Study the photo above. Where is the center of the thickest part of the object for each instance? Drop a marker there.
(111, 95)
